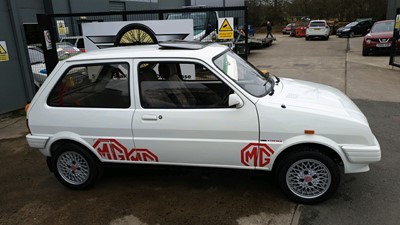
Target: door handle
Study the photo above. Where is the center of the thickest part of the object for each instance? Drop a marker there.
(149, 117)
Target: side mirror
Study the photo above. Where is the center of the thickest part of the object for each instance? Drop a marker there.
(235, 100)
(368, 30)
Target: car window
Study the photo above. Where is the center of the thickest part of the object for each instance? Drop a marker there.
(71, 41)
(386, 26)
(243, 73)
(94, 85)
(317, 24)
(180, 85)
(352, 24)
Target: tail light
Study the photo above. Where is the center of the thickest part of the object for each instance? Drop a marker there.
(27, 122)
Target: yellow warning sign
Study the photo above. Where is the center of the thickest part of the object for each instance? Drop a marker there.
(225, 26)
(3, 52)
(225, 30)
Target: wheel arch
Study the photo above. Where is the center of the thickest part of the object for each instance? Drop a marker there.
(63, 138)
(331, 152)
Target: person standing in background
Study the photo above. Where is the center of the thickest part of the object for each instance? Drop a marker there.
(269, 30)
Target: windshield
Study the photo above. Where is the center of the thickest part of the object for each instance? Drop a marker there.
(380, 27)
(244, 74)
(199, 19)
(351, 24)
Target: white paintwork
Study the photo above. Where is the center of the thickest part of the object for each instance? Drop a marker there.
(319, 30)
(208, 137)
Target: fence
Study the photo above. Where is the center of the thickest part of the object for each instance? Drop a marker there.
(63, 32)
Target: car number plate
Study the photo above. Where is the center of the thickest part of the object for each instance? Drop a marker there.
(317, 29)
(383, 45)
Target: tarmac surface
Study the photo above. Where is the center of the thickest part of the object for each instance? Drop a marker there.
(176, 195)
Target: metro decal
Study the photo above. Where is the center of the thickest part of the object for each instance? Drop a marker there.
(249, 155)
(113, 150)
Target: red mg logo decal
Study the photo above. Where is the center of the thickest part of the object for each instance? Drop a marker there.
(249, 155)
(113, 150)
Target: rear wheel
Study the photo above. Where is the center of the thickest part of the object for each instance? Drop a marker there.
(308, 176)
(74, 167)
(307, 38)
(351, 35)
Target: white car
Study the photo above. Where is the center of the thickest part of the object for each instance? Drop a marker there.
(317, 29)
(196, 104)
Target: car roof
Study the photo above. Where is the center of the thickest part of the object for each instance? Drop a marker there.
(384, 21)
(150, 51)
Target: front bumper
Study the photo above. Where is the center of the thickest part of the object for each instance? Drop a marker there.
(362, 154)
(359, 157)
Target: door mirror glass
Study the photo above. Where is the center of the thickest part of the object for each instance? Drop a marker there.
(235, 100)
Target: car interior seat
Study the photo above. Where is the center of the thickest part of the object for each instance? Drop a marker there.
(180, 94)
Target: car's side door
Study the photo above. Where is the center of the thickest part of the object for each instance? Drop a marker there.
(182, 115)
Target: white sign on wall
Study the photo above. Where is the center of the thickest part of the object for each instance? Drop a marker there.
(99, 35)
(3, 52)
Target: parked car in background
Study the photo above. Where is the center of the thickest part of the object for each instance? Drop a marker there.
(359, 27)
(317, 29)
(68, 48)
(288, 28)
(300, 31)
(76, 41)
(38, 65)
(379, 39)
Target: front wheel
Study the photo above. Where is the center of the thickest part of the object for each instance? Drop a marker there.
(365, 52)
(308, 176)
(74, 167)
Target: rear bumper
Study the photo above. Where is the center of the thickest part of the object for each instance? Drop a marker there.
(36, 141)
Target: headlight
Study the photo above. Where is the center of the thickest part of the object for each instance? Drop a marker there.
(368, 41)
(345, 30)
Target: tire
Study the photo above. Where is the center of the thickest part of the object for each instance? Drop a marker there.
(307, 38)
(327, 38)
(365, 52)
(75, 167)
(135, 34)
(351, 35)
(293, 176)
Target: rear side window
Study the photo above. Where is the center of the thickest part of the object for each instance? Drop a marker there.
(95, 85)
